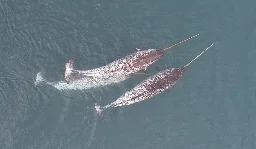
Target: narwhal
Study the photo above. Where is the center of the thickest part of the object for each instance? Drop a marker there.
(114, 72)
(123, 67)
(150, 87)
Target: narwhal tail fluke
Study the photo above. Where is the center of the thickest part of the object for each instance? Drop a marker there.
(39, 78)
(69, 70)
(98, 108)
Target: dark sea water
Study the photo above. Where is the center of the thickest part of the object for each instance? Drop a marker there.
(212, 106)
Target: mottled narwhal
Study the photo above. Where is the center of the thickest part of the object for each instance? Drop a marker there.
(124, 67)
(114, 72)
(150, 87)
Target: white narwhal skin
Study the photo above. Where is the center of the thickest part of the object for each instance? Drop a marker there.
(79, 84)
(150, 87)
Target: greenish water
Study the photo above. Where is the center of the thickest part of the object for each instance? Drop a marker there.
(211, 107)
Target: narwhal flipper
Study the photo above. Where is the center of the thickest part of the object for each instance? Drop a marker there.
(137, 49)
(142, 71)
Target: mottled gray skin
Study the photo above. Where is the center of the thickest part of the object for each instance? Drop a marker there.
(136, 61)
(125, 66)
(150, 87)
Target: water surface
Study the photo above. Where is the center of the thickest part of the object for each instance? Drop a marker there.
(212, 106)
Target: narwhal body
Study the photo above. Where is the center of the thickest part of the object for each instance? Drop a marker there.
(130, 64)
(125, 66)
(150, 87)
(114, 72)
